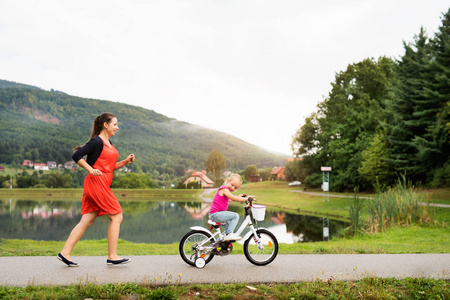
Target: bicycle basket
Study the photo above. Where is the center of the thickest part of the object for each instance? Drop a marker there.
(258, 212)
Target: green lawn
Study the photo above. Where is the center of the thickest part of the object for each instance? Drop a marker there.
(121, 194)
(415, 239)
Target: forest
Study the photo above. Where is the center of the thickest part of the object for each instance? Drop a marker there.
(383, 119)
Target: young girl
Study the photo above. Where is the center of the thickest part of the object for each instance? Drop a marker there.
(218, 212)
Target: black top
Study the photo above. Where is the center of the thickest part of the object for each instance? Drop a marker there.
(93, 148)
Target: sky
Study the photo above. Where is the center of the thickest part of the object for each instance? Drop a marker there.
(251, 69)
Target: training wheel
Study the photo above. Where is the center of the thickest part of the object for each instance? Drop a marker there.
(200, 262)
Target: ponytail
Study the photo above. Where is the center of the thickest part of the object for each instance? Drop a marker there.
(97, 125)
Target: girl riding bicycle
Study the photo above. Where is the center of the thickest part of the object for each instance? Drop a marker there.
(218, 212)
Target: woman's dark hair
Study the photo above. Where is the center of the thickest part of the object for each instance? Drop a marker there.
(97, 126)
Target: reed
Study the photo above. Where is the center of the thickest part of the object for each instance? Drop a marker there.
(355, 209)
(404, 204)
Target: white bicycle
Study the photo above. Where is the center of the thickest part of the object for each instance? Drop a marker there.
(199, 246)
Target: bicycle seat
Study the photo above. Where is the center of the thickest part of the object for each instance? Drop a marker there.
(215, 223)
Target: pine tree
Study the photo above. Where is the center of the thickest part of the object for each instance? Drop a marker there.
(403, 121)
(374, 166)
(434, 146)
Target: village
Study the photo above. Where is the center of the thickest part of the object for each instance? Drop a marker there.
(192, 179)
(52, 165)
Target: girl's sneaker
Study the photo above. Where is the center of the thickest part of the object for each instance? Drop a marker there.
(232, 237)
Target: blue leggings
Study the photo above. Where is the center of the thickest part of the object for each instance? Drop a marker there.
(231, 219)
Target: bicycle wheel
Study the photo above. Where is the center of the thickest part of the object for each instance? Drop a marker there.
(188, 245)
(261, 257)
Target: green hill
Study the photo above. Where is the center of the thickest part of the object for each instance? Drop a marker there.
(44, 126)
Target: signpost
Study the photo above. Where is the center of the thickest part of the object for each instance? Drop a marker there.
(326, 181)
(326, 188)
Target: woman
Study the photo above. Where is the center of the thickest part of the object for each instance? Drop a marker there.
(98, 198)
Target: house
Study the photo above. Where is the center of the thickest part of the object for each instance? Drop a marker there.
(255, 178)
(40, 167)
(226, 174)
(292, 159)
(124, 169)
(70, 165)
(277, 173)
(51, 164)
(2, 168)
(27, 163)
(200, 177)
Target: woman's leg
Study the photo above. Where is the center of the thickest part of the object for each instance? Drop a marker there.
(230, 217)
(113, 235)
(77, 232)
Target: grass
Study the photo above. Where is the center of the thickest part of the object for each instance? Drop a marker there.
(414, 239)
(439, 196)
(367, 288)
(69, 194)
(277, 194)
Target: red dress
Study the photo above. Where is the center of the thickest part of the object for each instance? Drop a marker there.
(97, 194)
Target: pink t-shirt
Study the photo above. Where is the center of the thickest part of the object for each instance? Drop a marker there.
(220, 203)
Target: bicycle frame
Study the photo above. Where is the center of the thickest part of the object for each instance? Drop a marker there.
(218, 233)
(200, 245)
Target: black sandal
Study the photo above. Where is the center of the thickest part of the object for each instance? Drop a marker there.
(118, 262)
(66, 261)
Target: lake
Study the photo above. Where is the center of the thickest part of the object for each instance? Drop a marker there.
(161, 222)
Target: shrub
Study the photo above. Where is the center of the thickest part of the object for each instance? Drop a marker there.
(403, 204)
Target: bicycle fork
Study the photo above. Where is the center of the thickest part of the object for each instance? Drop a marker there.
(256, 238)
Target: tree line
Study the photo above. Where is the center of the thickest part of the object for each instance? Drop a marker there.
(73, 179)
(382, 118)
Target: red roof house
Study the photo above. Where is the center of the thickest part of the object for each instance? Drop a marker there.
(200, 177)
(27, 163)
(41, 167)
(278, 173)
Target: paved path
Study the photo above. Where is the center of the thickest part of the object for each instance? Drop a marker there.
(45, 270)
(205, 195)
(363, 197)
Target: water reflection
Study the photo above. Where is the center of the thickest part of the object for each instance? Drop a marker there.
(144, 221)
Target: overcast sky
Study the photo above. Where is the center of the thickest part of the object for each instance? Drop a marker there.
(252, 69)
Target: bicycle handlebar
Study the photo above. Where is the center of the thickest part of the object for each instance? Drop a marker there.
(249, 200)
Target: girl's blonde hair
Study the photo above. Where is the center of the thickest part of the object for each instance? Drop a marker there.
(235, 176)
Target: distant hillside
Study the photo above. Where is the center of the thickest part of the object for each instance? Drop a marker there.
(45, 125)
